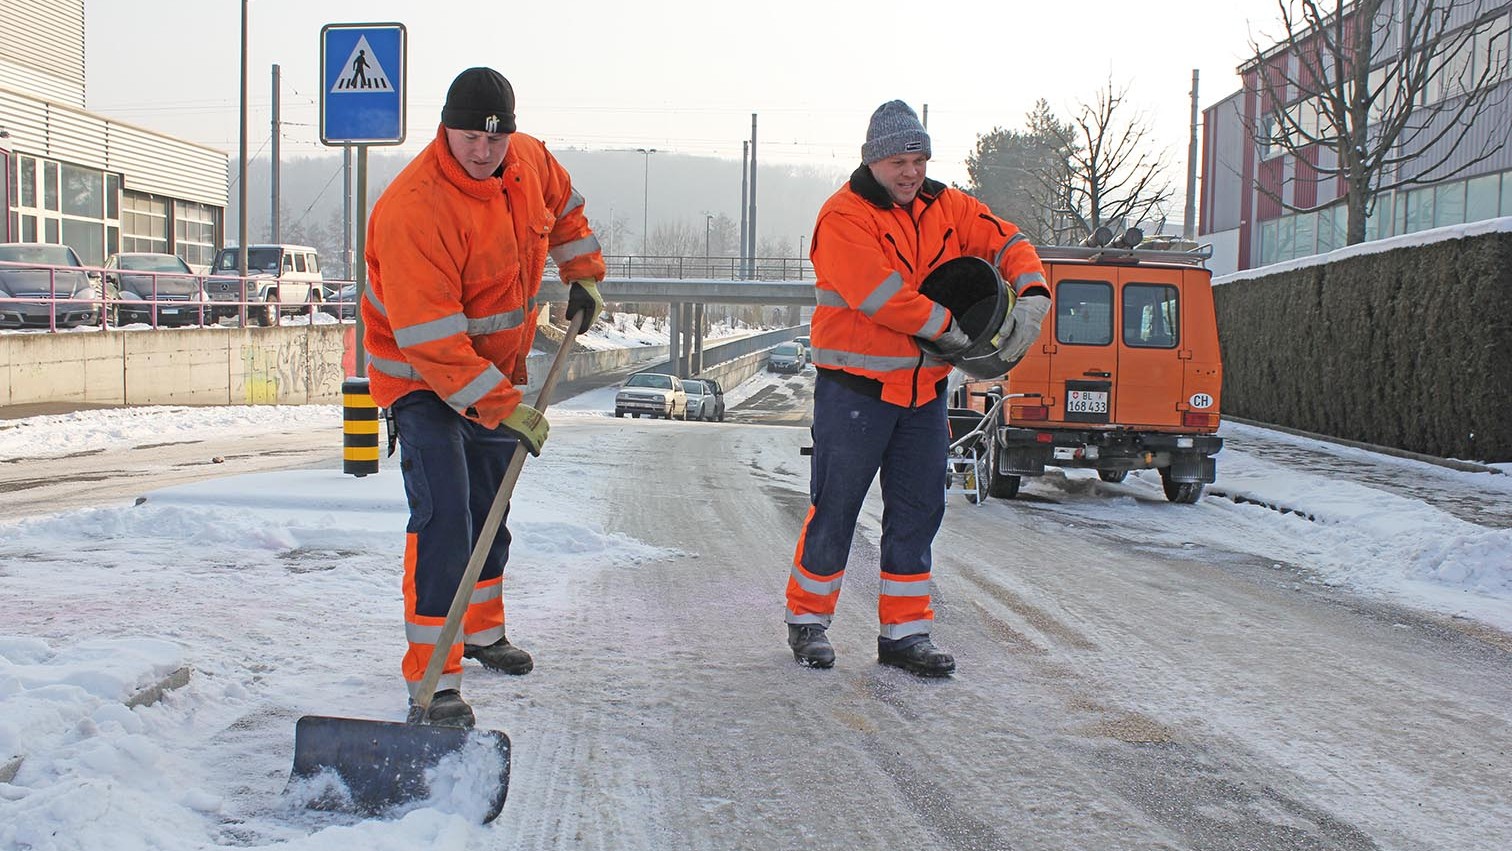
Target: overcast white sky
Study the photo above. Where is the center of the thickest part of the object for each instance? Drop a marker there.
(685, 76)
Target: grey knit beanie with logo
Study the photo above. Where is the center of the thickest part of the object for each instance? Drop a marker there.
(894, 129)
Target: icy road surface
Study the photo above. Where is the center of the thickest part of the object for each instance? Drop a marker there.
(1132, 674)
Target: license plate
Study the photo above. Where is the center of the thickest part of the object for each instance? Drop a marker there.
(169, 311)
(1086, 402)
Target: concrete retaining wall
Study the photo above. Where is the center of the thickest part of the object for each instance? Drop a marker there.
(217, 366)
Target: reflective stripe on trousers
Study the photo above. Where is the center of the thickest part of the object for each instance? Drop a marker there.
(452, 468)
(855, 438)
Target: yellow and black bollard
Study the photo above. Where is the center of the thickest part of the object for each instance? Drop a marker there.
(359, 427)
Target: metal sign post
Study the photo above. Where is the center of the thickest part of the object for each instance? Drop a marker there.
(362, 99)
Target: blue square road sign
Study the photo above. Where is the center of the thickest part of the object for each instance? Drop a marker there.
(362, 87)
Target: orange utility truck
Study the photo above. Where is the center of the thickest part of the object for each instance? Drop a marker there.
(1126, 374)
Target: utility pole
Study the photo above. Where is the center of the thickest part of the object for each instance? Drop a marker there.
(1189, 224)
(745, 176)
(346, 209)
(646, 200)
(751, 232)
(275, 166)
(241, 178)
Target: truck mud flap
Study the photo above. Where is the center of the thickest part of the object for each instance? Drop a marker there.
(1188, 467)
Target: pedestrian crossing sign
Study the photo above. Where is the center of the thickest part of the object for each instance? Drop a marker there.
(362, 84)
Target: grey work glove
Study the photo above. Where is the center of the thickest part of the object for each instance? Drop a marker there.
(1021, 327)
(952, 342)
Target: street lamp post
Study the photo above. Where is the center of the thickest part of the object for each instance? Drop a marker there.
(708, 222)
(646, 200)
(801, 238)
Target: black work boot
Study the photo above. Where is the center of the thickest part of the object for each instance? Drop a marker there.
(500, 656)
(919, 657)
(811, 647)
(447, 709)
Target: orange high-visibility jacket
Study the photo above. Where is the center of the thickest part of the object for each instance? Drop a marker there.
(454, 266)
(870, 256)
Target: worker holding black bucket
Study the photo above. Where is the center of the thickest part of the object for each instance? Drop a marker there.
(910, 283)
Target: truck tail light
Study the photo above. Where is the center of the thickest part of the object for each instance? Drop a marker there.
(1031, 412)
(1197, 419)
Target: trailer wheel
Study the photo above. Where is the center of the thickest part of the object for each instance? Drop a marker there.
(1182, 493)
(980, 475)
(1114, 476)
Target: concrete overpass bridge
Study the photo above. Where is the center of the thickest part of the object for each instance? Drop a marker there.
(686, 298)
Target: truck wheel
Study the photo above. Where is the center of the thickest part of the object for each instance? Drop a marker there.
(267, 314)
(1114, 476)
(1182, 493)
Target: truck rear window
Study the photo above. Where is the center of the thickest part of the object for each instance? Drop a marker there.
(1084, 313)
(1150, 317)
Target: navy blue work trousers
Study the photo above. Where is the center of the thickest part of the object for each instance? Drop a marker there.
(855, 437)
(452, 469)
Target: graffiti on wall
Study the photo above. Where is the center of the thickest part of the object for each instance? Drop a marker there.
(297, 367)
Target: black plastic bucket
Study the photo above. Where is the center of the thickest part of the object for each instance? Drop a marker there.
(975, 295)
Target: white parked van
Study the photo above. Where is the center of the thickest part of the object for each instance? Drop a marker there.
(280, 279)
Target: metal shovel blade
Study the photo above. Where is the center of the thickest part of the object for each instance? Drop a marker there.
(385, 763)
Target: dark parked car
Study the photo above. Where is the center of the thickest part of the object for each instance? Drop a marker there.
(159, 289)
(705, 399)
(51, 279)
(787, 357)
(342, 303)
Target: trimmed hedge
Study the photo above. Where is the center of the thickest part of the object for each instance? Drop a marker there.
(1409, 348)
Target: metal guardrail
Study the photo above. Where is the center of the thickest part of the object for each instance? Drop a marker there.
(95, 305)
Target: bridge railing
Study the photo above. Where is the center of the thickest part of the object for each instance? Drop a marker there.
(721, 268)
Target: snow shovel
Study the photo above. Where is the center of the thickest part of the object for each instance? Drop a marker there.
(386, 763)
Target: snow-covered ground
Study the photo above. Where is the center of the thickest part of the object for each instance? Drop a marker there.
(241, 579)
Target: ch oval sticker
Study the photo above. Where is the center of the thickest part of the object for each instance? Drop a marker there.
(1201, 400)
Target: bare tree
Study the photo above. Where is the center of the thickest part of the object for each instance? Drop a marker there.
(1021, 175)
(1112, 176)
(1389, 89)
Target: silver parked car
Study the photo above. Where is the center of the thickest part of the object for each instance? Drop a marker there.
(652, 394)
(705, 399)
(54, 278)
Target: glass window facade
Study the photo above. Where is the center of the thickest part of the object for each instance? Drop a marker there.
(1403, 211)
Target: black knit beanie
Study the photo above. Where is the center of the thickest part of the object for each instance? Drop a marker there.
(480, 99)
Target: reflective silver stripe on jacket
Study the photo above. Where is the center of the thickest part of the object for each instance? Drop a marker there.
(485, 593)
(821, 587)
(460, 401)
(894, 588)
(1027, 279)
(904, 630)
(880, 294)
(935, 325)
(574, 201)
(476, 389)
(1017, 238)
(395, 368)
(429, 332)
(367, 293)
(493, 324)
(876, 363)
(828, 298)
(576, 248)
